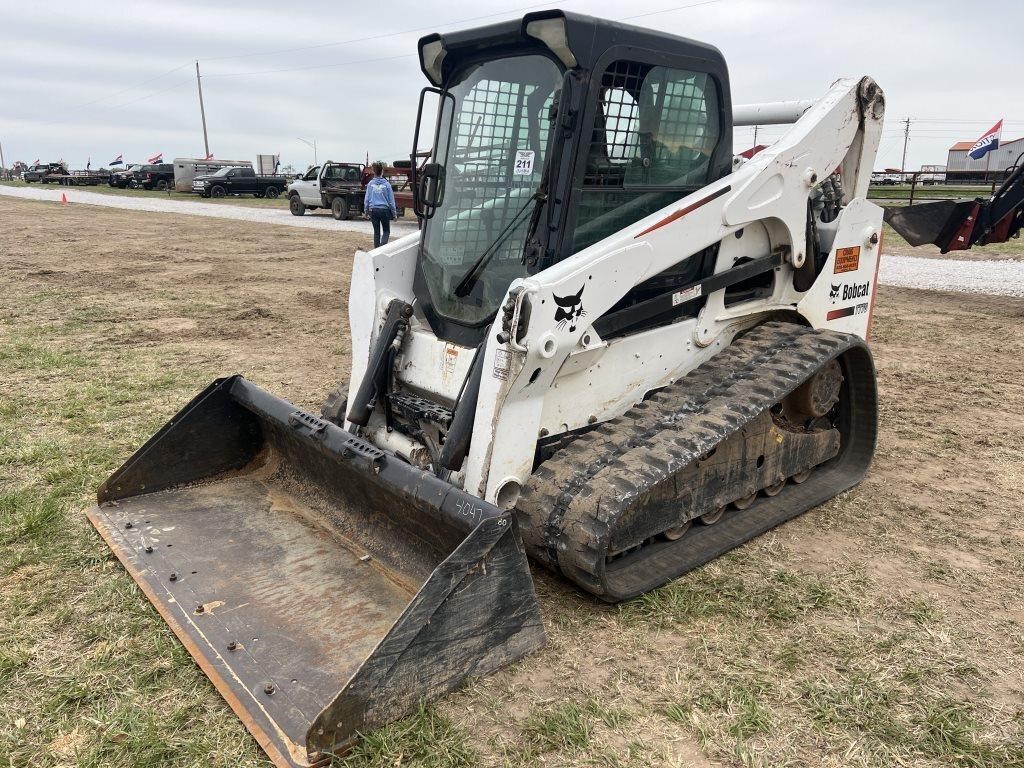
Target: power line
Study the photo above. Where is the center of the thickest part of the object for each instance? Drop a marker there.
(150, 95)
(412, 55)
(313, 66)
(381, 36)
(667, 10)
(300, 48)
(131, 87)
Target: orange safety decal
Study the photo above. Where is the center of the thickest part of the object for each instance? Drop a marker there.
(847, 260)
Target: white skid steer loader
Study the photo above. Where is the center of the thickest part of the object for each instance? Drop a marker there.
(614, 346)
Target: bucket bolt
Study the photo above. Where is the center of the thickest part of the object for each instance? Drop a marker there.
(200, 608)
(268, 688)
(149, 549)
(174, 577)
(232, 646)
(129, 524)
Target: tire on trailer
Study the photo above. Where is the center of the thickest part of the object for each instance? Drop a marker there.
(271, 192)
(339, 208)
(162, 185)
(218, 191)
(296, 206)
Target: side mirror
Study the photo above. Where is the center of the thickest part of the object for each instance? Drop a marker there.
(427, 181)
(430, 188)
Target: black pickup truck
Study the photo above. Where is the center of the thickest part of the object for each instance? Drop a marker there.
(43, 173)
(124, 177)
(238, 181)
(159, 176)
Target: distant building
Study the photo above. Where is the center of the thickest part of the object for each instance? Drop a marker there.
(960, 167)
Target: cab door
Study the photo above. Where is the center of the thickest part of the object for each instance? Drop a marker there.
(309, 187)
(242, 181)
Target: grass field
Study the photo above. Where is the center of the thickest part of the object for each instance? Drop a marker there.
(883, 628)
(930, 191)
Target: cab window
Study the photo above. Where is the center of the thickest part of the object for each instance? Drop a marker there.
(654, 132)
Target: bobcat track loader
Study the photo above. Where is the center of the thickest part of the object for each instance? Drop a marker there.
(614, 346)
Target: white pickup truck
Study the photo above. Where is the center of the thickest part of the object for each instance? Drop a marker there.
(337, 186)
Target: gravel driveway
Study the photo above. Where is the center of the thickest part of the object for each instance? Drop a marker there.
(1002, 278)
(317, 220)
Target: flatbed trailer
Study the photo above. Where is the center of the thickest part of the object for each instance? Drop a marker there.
(78, 178)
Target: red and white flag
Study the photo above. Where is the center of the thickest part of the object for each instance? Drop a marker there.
(157, 158)
(988, 142)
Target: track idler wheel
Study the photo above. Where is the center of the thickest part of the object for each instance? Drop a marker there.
(815, 397)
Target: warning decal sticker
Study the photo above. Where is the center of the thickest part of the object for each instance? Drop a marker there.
(847, 260)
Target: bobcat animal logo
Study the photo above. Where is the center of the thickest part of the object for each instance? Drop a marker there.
(570, 309)
(834, 293)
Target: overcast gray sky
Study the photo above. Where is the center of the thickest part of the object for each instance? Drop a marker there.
(95, 79)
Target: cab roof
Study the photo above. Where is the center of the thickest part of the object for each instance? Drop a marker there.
(581, 42)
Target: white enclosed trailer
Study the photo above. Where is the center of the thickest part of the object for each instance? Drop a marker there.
(187, 168)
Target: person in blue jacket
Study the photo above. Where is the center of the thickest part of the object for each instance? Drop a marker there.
(379, 205)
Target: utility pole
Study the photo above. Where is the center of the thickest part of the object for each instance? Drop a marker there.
(202, 110)
(906, 139)
(3, 166)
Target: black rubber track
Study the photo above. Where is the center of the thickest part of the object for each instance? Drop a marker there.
(570, 507)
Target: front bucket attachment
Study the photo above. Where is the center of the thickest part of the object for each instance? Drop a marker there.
(323, 585)
(948, 224)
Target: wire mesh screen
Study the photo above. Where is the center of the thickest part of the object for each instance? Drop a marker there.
(654, 132)
(494, 162)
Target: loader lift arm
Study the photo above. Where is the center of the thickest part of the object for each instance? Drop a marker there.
(957, 225)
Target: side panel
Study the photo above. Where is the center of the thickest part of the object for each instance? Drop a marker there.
(842, 297)
(377, 277)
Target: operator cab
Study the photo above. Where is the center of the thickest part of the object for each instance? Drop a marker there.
(551, 134)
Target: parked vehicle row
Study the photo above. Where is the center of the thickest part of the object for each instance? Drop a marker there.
(338, 187)
(158, 176)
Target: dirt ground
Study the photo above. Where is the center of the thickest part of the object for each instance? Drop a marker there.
(882, 628)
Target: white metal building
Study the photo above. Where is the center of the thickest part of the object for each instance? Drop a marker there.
(960, 167)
